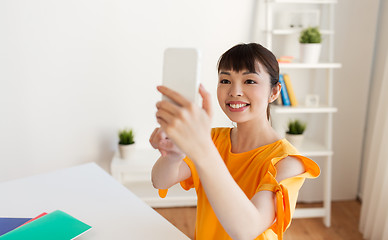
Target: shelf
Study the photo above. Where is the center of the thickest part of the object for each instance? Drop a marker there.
(297, 31)
(309, 65)
(303, 109)
(309, 212)
(305, 1)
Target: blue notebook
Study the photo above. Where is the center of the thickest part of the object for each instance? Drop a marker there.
(9, 224)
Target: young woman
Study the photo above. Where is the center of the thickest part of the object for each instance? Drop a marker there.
(247, 178)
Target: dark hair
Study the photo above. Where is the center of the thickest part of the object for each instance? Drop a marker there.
(244, 56)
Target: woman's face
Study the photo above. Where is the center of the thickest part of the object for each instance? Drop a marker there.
(244, 95)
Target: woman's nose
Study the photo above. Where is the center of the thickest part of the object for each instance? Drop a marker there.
(236, 90)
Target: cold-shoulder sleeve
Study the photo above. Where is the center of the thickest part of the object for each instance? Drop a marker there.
(286, 191)
(193, 180)
(187, 184)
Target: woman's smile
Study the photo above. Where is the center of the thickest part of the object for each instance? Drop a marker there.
(244, 95)
(237, 106)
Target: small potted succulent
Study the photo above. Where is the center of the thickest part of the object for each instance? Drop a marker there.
(310, 45)
(295, 132)
(126, 143)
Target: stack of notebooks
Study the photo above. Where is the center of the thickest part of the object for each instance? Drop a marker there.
(55, 225)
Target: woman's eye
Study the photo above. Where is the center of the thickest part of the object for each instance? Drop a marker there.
(249, 81)
(224, 81)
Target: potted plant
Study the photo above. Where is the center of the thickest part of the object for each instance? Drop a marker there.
(295, 132)
(310, 45)
(126, 143)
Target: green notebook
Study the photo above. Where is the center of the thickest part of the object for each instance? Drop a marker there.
(57, 225)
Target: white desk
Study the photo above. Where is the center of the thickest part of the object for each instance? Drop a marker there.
(90, 194)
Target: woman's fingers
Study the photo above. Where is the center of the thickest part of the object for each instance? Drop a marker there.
(167, 144)
(170, 114)
(162, 135)
(206, 100)
(154, 133)
(153, 138)
(168, 107)
(160, 141)
(173, 95)
(156, 137)
(165, 116)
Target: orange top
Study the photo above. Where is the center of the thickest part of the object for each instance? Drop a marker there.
(253, 171)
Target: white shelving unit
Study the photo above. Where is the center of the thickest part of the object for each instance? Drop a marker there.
(276, 36)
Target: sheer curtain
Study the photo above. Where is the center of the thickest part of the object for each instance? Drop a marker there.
(374, 210)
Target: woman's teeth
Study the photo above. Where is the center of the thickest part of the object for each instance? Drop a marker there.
(237, 105)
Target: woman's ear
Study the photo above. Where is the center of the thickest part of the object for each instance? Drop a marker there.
(275, 92)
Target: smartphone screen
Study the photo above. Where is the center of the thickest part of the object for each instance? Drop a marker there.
(181, 70)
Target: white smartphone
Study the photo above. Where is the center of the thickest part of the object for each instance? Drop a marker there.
(181, 71)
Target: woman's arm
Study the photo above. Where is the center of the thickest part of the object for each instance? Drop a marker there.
(241, 217)
(170, 168)
(167, 172)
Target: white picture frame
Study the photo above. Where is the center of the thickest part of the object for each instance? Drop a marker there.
(312, 100)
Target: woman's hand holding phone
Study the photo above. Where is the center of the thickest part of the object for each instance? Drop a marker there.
(186, 124)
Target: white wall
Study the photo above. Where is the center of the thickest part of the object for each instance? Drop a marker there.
(73, 72)
(355, 30)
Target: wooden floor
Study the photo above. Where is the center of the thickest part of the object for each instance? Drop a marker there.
(344, 222)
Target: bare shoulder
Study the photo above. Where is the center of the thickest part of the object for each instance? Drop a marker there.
(289, 167)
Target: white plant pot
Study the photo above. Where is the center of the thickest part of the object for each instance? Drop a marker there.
(295, 139)
(126, 151)
(310, 52)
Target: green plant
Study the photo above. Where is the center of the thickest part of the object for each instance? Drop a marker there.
(296, 127)
(126, 137)
(310, 35)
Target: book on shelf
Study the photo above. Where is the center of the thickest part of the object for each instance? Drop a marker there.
(283, 92)
(290, 90)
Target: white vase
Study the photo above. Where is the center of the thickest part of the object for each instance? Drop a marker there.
(295, 139)
(126, 151)
(310, 52)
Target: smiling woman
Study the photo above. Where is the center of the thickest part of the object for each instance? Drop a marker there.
(255, 59)
(247, 178)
